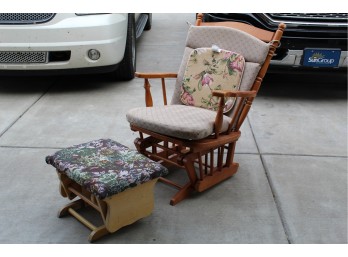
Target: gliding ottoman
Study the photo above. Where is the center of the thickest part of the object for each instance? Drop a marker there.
(116, 181)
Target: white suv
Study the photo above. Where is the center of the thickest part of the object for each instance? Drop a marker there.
(70, 43)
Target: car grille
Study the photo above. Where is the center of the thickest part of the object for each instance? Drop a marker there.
(25, 18)
(309, 17)
(22, 57)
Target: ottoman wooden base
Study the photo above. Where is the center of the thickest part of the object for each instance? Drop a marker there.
(116, 181)
(116, 211)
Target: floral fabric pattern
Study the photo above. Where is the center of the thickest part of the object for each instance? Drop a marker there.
(105, 167)
(209, 70)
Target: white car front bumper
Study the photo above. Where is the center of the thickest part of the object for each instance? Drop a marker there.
(66, 33)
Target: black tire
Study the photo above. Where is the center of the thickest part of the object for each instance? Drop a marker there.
(148, 24)
(127, 66)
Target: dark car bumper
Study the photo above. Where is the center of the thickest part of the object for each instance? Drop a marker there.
(304, 32)
(60, 72)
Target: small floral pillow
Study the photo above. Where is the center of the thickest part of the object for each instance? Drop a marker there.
(211, 69)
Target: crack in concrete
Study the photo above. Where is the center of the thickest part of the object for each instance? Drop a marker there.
(275, 198)
(25, 111)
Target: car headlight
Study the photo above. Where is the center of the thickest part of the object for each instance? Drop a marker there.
(93, 54)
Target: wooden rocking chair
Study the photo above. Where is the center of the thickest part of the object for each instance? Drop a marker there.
(189, 136)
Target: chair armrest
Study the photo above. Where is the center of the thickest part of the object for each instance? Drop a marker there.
(227, 93)
(147, 86)
(155, 75)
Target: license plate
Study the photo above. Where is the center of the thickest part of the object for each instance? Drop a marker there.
(321, 57)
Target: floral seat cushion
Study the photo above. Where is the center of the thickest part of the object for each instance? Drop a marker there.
(105, 167)
(211, 69)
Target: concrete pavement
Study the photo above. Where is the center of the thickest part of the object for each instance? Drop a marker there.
(291, 186)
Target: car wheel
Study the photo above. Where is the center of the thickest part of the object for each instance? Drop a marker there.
(128, 65)
(148, 24)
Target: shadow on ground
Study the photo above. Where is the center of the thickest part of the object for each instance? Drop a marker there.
(305, 86)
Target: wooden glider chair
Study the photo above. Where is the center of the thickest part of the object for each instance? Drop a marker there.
(221, 72)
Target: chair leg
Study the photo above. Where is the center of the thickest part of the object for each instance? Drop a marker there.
(183, 193)
(218, 177)
(230, 153)
(188, 162)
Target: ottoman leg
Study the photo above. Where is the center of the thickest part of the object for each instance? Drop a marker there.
(98, 233)
(75, 205)
(116, 211)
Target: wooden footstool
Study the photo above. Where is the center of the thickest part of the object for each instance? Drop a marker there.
(111, 178)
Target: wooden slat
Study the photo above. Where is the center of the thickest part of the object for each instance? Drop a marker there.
(148, 96)
(164, 91)
(84, 198)
(82, 219)
(155, 75)
(261, 34)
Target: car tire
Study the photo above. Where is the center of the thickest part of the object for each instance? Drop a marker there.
(148, 24)
(127, 66)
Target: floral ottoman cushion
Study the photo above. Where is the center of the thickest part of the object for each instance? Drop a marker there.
(211, 69)
(105, 167)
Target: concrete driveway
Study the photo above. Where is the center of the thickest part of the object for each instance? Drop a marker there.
(291, 186)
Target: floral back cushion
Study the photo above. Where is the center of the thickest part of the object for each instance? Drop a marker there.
(211, 69)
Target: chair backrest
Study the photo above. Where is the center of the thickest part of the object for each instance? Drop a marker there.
(255, 49)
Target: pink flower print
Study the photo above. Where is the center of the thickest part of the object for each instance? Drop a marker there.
(198, 76)
(228, 105)
(237, 65)
(227, 55)
(207, 80)
(188, 98)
